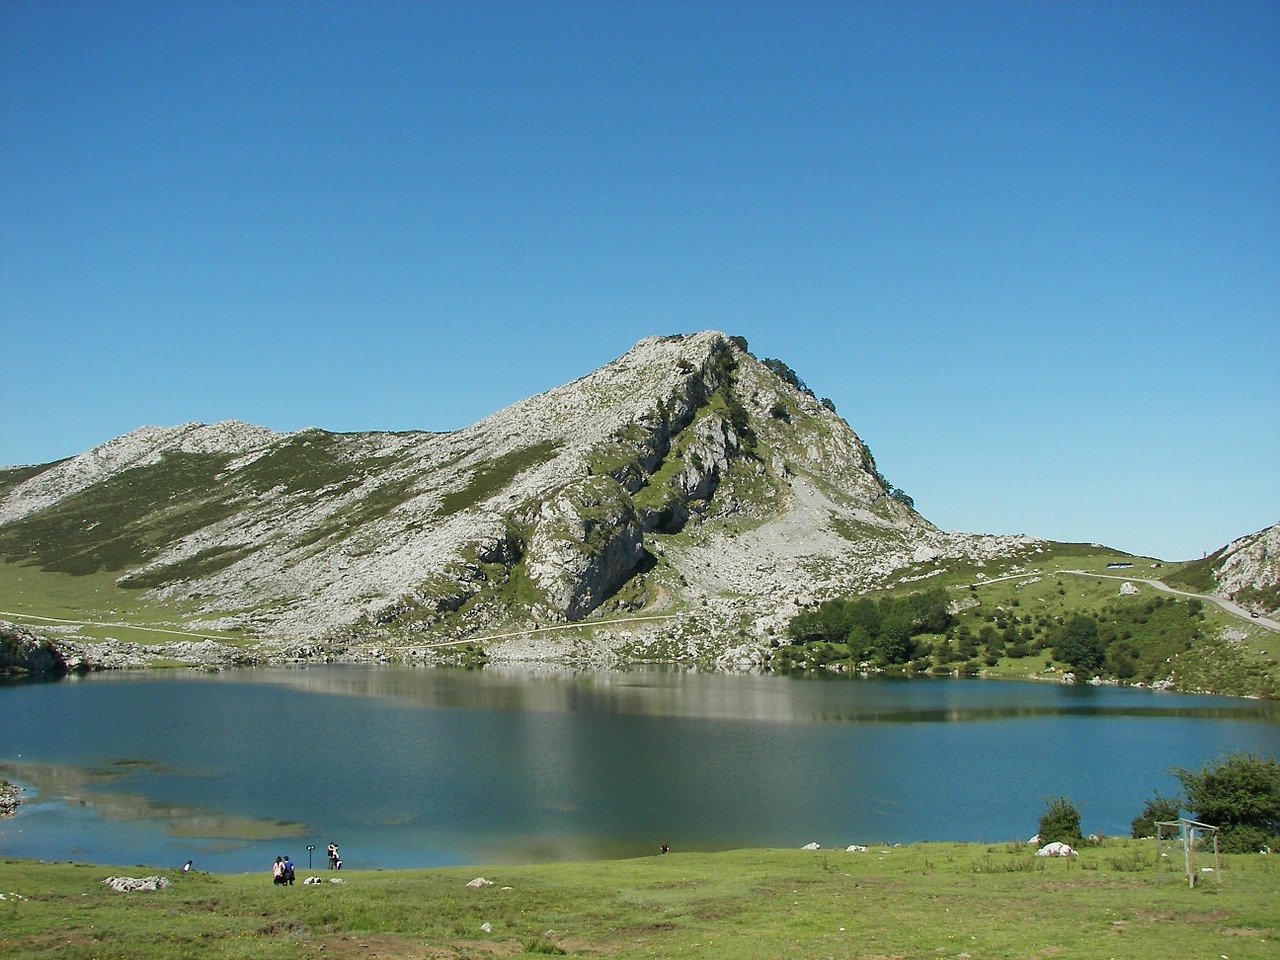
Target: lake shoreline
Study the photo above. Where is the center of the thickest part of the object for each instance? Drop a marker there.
(29, 655)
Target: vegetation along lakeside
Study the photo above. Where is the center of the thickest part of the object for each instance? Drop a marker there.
(1067, 613)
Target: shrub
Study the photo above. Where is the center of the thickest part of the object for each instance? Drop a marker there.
(1060, 822)
(1077, 644)
(1239, 794)
(1157, 810)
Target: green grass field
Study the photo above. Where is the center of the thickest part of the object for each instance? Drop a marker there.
(96, 605)
(965, 901)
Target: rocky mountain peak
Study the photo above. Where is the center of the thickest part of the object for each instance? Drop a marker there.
(687, 475)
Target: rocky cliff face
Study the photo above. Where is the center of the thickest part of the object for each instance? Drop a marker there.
(22, 651)
(587, 541)
(685, 480)
(1247, 571)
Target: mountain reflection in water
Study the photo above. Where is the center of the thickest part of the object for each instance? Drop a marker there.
(658, 692)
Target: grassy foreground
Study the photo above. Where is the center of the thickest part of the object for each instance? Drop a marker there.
(968, 901)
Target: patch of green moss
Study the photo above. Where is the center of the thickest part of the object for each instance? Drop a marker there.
(304, 463)
(377, 504)
(855, 531)
(495, 475)
(203, 564)
(11, 477)
(125, 520)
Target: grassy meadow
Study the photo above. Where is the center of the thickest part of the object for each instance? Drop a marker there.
(968, 901)
(94, 607)
(1226, 654)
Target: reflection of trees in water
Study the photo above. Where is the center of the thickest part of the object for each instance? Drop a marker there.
(659, 691)
(977, 714)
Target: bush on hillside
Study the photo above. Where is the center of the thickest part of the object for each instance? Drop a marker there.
(1077, 644)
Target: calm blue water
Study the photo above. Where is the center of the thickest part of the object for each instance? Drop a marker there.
(406, 767)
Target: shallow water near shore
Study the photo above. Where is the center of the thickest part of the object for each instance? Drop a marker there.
(418, 767)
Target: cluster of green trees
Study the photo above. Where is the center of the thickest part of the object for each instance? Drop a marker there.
(1125, 641)
(896, 493)
(1131, 640)
(1128, 642)
(786, 374)
(881, 631)
(915, 630)
(1239, 794)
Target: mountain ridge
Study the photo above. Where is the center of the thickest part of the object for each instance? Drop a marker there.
(686, 481)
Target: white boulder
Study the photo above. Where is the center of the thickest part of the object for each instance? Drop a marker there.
(1056, 849)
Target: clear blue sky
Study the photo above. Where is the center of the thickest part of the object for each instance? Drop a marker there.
(1030, 250)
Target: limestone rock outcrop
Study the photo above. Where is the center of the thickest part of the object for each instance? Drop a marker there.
(587, 541)
(22, 651)
(138, 884)
(1246, 571)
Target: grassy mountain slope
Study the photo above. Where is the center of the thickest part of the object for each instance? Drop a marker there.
(1013, 618)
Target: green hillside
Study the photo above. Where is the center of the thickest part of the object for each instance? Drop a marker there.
(1059, 609)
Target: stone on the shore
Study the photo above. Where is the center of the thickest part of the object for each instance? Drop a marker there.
(137, 884)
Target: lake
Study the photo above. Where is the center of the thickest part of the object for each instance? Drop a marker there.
(421, 767)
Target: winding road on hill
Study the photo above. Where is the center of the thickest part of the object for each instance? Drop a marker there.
(1227, 605)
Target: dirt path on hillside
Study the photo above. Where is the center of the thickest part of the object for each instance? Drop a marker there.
(25, 618)
(1226, 605)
